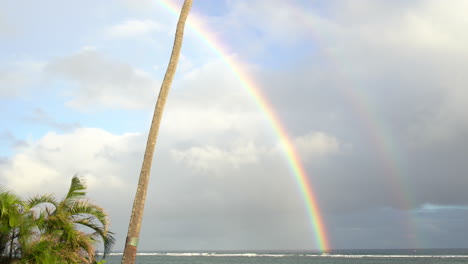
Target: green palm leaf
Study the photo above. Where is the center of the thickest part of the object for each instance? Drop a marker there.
(47, 230)
(77, 189)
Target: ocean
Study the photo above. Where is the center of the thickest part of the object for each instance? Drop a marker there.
(387, 256)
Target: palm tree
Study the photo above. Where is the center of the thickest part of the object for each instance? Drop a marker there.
(44, 230)
(62, 226)
(18, 223)
(133, 234)
(11, 208)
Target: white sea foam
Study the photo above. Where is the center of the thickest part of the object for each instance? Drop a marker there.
(327, 255)
(203, 254)
(387, 256)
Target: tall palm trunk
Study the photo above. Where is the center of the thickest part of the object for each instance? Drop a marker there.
(134, 227)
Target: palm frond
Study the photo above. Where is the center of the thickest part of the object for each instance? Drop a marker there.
(42, 199)
(77, 189)
(46, 229)
(100, 232)
(84, 208)
(9, 203)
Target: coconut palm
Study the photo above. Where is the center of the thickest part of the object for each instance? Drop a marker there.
(133, 234)
(44, 230)
(18, 223)
(63, 228)
(11, 208)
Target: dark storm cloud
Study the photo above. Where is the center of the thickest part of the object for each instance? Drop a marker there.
(395, 88)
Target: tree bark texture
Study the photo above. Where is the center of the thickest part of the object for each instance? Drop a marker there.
(131, 244)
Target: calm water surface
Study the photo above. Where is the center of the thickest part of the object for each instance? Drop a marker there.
(426, 256)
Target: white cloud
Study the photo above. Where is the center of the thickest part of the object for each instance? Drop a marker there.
(133, 28)
(195, 121)
(98, 81)
(3, 26)
(426, 26)
(19, 77)
(214, 159)
(210, 100)
(139, 5)
(225, 156)
(46, 165)
(40, 116)
(316, 144)
(277, 19)
(406, 24)
(407, 58)
(184, 65)
(110, 165)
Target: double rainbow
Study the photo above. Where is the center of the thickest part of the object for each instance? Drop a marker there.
(254, 91)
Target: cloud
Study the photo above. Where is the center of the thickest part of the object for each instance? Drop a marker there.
(212, 158)
(411, 54)
(387, 77)
(401, 24)
(18, 78)
(384, 77)
(431, 208)
(97, 81)
(40, 116)
(276, 19)
(245, 186)
(109, 163)
(445, 124)
(3, 26)
(51, 160)
(10, 139)
(139, 5)
(316, 144)
(8, 28)
(133, 28)
(7, 136)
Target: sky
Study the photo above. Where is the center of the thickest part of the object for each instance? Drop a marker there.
(371, 93)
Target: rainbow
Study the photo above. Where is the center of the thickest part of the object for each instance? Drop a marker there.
(376, 131)
(290, 152)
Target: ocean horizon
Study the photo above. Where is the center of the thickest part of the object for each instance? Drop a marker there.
(377, 256)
